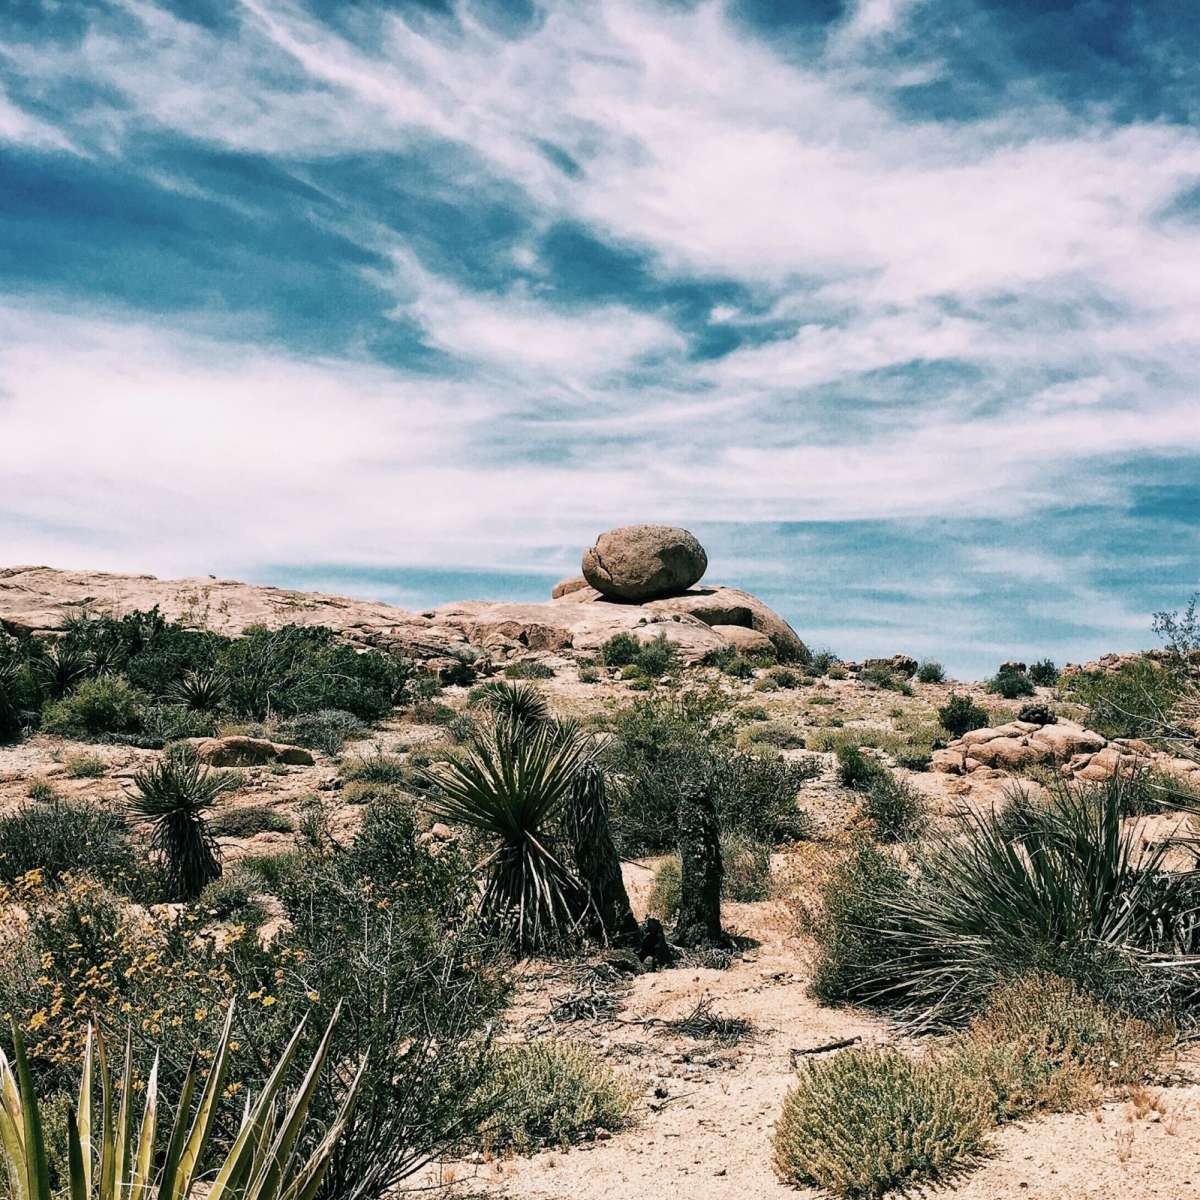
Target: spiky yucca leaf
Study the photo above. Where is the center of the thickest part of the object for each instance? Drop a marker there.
(511, 786)
(262, 1163)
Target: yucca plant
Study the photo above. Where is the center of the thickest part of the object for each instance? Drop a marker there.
(519, 703)
(175, 794)
(510, 786)
(62, 667)
(1078, 893)
(106, 1161)
(202, 691)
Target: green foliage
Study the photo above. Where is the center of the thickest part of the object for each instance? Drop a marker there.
(377, 768)
(175, 794)
(620, 650)
(233, 897)
(730, 661)
(589, 675)
(855, 769)
(747, 868)
(866, 1121)
(263, 1153)
(327, 730)
(781, 734)
(61, 836)
(896, 809)
(1011, 684)
(1043, 673)
(40, 790)
(248, 820)
(518, 703)
(662, 745)
(1037, 713)
(785, 677)
(303, 668)
(202, 691)
(1133, 701)
(960, 714)
(552, 1093)
(880, 676)
(529, 669)
(510, 787)
(106, 704)
(663, 901)
(931, 671)
(1078, 896)
(85, 766)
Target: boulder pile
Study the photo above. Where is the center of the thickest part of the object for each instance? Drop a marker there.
(1065, 746)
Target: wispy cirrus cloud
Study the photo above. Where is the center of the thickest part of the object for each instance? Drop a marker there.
(392, 284)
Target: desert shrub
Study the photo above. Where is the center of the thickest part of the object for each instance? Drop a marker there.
(552, 1093)
(303, 669)
(931, 672)
(529, 669)
(69, 836)
(848, 922)
(377, 768)
(589, 675)
(60, 668)
(1037, 713)
(85, 766)
(1043, 673)
(20, 696)
(518, 703)
(175, 795)
(866, 1121)
(915, 758)
(160, 724)
(781, 734)
(663, 901)
(658, 656)
(662, 744)
(106, 704)
(1011, 684)
(1043, 1045)
(40, 790)
(960, 714)
(896, 809)
(747, 868)
(203, 691)
(855, 769)
(233, 897)
(620, 650)
(785, 677)
(327, 730)
(822, 662)
(248, 820)
(881, 677)
(1135, 700)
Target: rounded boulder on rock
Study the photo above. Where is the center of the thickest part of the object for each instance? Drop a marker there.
(564, 587)
(644, 562)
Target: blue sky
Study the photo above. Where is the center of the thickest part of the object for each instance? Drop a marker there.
(894, 303)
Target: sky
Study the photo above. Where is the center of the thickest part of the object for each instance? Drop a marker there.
(894, 303)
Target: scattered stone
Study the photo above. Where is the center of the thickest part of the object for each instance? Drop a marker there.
(644, 562)
(240, 751)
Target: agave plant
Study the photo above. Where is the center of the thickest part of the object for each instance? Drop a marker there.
(202, 691)
(175, 794)
(511, 785)
(105, 1160)
(62, 666)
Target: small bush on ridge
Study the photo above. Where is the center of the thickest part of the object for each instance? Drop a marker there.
(931, 672)
(960, 714)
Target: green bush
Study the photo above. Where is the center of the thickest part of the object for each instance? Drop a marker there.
(40, 790)
(620, 650)
(931, 672)
(960, 714)
(327, 730)
(61, 836)
(1037, 713)
(234, 897)
(747, 868)
(781, 734)
(105, 705)
(888, 680)
(552, 1093)
(866, 1121)
(85, 766)
(377, 768)
(663, 744)
(785, 677)
(896, 808)
(855, 769)
(529, 669)
(589, 675)
(658, 656)
(1133, 701)
(1011, 684)
(248, 820)
(663, 902)
(1044, 673)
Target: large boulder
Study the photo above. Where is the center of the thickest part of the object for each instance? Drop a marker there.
(644, 562)
(718, 605)
(744, 639)
(564, 587)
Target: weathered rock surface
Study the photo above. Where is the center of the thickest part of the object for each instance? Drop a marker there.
(902, 666)
(644, 562)
(1074, 751)
(240, 751)
(748, 641)
(39, 600)
(564, 587)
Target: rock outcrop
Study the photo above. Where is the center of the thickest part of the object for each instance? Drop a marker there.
(238, 751)
(1065, 746)
(644, 562)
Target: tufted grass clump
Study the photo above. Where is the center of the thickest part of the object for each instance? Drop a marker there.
(895, 808)
(867, 1121)
(327, 730)
(248, 820)
(552, 1093)
(530, 668)
(85, 766)
(40, 790)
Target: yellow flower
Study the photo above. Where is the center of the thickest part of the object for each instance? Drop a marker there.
(313, 996)
(268, 1001)
(201, 1013)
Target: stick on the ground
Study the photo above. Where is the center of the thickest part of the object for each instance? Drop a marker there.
(840, 1044)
